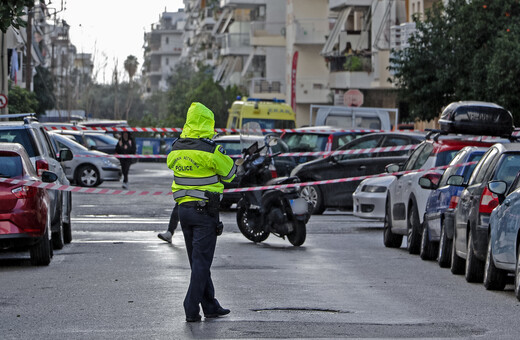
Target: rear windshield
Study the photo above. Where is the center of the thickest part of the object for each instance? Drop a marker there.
(10, 166)
(271, 123)
(445, 157)
(20, 136)
(231, 148)
(508, 168)
(305, 142)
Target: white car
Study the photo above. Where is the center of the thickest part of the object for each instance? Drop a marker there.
(370, 197)
(88, 168)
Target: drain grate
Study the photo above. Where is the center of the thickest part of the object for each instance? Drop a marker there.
(305, 310)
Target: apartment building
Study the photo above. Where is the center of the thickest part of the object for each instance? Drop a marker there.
(162, 49)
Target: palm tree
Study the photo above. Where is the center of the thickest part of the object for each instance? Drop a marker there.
(131, 64)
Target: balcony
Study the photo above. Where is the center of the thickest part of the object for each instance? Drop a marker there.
(241, 3)
(311, 90)
(311, 31)
(235, 44)
(335, 5)
(267, 33)
(267, 88)
(351, 71)
(166, 51)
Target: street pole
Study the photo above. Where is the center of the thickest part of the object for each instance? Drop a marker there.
(28, 67)
(3, 67)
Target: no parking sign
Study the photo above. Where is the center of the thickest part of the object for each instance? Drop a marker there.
(3, 101)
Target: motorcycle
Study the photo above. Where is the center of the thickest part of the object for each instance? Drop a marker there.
(280, 212)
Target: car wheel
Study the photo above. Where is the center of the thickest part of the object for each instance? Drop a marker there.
(444, 255)
(413, 241)
(517, 275)
(457, 263)
(474, 267)
(428, 249)
(312, 194)
(57, 236)
(494, 278)
(390, 239)
(41, 252)
(87, 176)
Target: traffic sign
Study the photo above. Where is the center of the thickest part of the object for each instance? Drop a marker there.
(3, 101)
(353, 98)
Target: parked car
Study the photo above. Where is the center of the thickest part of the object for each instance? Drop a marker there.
(471, 235)
(25, 211)
(503, 253)
(406, 200)
(231, 143)
(370, 197)
(339, 195)
(87, 168)
(440, 207)
(34, 138)
(93, 140)
(317, 138)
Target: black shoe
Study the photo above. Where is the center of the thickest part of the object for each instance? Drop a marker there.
(220, 312)
(193, 319)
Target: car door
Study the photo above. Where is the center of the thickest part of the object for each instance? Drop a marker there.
(470, 197)
(506, 228)
(348, 165)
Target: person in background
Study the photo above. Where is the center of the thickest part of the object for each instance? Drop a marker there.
(126, 145)
(172, 225)
(199, 166)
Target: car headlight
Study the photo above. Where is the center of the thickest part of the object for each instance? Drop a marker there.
(373, 188)
(109, 162)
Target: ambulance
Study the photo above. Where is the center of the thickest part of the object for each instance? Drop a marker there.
(269, 113)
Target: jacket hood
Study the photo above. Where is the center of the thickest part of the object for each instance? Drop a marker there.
(200, 122)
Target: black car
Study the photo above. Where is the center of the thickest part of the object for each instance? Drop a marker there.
(339, 195)
(317, 138)
(470, 239)
(231, 143)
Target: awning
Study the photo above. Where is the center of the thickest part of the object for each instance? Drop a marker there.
(334, 33)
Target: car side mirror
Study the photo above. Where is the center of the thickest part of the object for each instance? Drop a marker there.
(456, 180)
(391, 168)
(93, 147)
(499, 188)
(426, 183)
(239, 162)
(65, 155)
(430, 181)
(273, 142)
(49, 177)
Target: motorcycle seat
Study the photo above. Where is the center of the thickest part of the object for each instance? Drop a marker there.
(283, 180)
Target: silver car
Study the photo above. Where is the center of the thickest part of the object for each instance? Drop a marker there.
(88, 168)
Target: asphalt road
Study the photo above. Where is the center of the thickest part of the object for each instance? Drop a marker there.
(117, 280)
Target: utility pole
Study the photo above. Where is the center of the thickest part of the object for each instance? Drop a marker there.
(3, 69)
(28, 61)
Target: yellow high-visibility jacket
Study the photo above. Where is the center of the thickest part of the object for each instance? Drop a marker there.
(198, 163)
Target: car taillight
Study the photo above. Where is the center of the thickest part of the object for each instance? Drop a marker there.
(488, 202)
(41, 166)
(24, 192)
(453, 202)
(273, 174)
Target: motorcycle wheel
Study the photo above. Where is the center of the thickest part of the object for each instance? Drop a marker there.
(246, 223)
(297, 237)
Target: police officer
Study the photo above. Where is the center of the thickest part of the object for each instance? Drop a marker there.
(199, 166)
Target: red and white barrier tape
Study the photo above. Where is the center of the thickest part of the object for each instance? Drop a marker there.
(71, 188)
(288, 154)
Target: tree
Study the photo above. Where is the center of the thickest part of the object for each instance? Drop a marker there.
(131, 64)
(11, 13)
(447, 62)
(22, 101)
(44, 90)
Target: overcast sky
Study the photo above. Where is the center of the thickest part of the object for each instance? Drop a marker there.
(113, 29)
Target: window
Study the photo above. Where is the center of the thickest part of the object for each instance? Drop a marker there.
(480, 169)
(395, 141)
(508, 168)
(306, 142)
(423, 156)
(20, 136)
(167, 40)
(360, 144)
(10, 166)
(413, 157)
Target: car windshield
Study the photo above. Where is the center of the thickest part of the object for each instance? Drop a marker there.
(305, 142)
(445, 157)
(67, 143)
(231, 147)
(103, 139)
(10, 166)
(508, 168)
(271, 123)
(19, 136)
(467, 171)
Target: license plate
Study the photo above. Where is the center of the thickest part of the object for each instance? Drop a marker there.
(299, 206)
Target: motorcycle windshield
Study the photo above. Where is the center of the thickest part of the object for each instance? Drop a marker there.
(251, 133)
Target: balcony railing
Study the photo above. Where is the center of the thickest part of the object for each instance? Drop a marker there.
(266, 86)
(267, 33)
(350, 63)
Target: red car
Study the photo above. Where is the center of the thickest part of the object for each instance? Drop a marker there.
(24, 210)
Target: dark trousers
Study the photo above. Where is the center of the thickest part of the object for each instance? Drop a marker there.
(125, 167)
(200, 236)
(174, 219)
